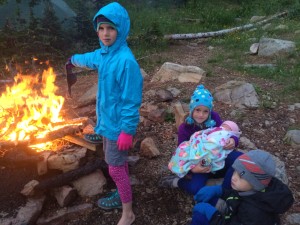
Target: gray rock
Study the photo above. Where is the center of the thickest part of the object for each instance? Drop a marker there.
(172, 71)
(238, 93)
(293, 218)
(293, 137)
(271, 47)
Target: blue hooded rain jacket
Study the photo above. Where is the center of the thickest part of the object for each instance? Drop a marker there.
(120, 82)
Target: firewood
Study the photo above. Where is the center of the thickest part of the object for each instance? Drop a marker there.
(28, 189)
(52, 135)
(80, 141)
(67, 177)
(6, 81)
(65, 195)
(73, 126)
(81, 120)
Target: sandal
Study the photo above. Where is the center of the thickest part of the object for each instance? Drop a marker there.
(93, 138)
(112, 201)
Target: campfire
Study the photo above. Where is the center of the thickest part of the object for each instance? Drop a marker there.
(30, 113)
(32, 128)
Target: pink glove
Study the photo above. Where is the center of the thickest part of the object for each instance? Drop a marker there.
(124, 141)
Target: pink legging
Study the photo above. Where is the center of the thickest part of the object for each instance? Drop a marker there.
(120, 176)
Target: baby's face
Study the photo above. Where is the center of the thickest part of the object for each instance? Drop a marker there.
(225, 126)
(240, 184)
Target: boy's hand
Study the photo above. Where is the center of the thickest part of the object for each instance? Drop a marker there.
(124, 141)
(206, 193)
(205, 209)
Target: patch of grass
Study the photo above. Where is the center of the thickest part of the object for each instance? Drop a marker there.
(219, 58)
(170, 118)
(267, 99)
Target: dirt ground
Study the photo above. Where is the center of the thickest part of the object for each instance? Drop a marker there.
(153, 205)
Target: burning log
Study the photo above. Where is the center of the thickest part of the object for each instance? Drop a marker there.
(67, 177)
(6, 81)
(60, 133)
(80, 120)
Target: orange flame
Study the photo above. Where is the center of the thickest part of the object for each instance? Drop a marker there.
(29, 107)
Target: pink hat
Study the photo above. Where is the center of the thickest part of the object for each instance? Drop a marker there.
(233, 126)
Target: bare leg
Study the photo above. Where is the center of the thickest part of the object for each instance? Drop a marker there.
(128, 216)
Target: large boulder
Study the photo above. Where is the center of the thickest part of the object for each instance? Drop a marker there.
(237, 93)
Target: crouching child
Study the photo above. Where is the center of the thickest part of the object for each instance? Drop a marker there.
(256, 198)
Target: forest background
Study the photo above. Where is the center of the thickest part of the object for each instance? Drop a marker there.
(47, 39)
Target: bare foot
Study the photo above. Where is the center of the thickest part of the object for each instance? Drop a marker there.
(127, 219)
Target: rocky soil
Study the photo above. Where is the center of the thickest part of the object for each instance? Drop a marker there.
(264, 126)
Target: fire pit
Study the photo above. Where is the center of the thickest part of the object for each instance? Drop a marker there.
(35, 131)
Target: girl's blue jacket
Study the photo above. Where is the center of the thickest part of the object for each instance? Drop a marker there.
(120, 82)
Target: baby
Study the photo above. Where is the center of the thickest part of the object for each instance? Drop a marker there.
(204, 147)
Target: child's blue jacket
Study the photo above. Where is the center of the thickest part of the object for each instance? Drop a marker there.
(120, 82)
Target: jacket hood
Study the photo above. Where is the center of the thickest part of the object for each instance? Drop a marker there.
(119, 16)
(277, 198)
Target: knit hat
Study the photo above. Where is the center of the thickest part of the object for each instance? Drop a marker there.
(257, 167)
(103, 20)
(233, 126)
(201, 96)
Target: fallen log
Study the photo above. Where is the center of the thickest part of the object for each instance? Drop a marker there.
(220, 32)
(65, 178)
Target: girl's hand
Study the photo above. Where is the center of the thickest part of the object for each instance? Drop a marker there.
(201, 169)
(230, 144)
(124, 141)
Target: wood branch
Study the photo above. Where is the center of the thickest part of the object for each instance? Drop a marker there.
(81, 142)
(6, 81)
(53, 135)
(220, 32)
(81, 120)
(67, 177)
(60, 133)
(10, 113)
